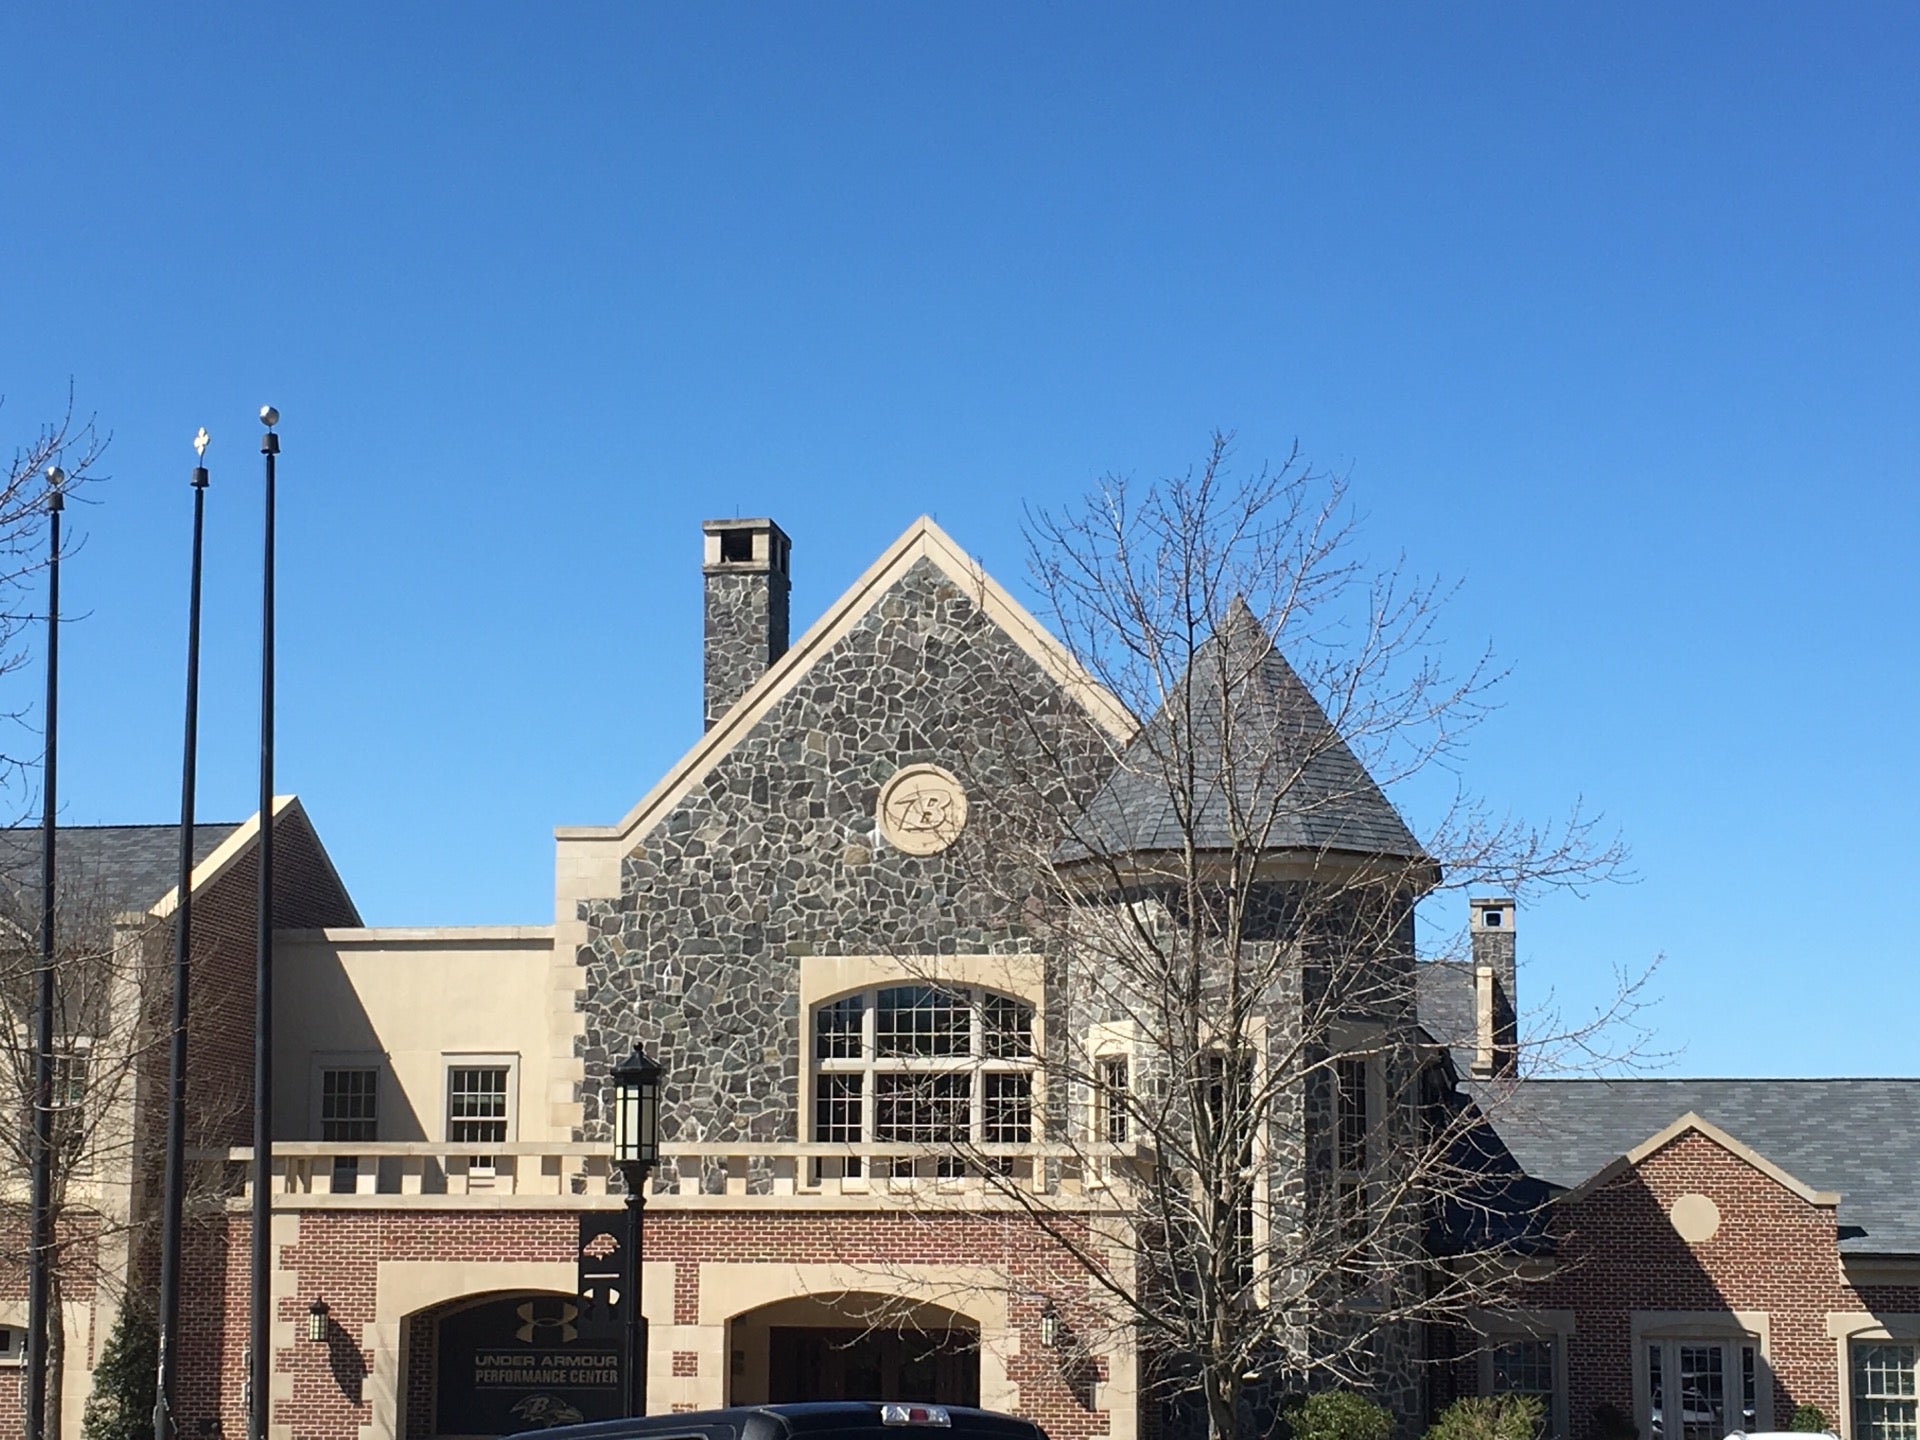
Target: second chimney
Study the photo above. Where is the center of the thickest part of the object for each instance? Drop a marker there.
(746, 607)
(1495, 973)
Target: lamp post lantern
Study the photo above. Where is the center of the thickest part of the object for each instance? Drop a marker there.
(636, 1150)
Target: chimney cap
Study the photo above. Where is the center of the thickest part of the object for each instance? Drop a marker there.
(754, 544)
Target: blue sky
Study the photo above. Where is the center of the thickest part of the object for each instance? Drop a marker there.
(1610, 315)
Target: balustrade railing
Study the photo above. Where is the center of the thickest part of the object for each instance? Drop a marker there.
(716, 1169)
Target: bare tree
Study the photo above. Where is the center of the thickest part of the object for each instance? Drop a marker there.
(75, 444)
(1257, 1176)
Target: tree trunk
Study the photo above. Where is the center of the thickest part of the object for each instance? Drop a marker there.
(1223, 1402)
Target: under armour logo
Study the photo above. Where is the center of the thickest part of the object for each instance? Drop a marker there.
(538, 1325)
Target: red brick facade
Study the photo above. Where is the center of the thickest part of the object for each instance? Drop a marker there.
(1774, 1253)
(339, 1251)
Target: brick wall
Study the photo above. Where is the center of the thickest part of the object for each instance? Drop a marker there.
(338, 1254)
(1773, 1252)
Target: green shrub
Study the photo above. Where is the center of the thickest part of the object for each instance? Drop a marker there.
(121, 1405)
(1810, 1418)
(1339, 1415)
(1489, 1417)
(1610, 1422)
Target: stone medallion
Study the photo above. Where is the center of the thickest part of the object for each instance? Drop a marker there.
(922, 810)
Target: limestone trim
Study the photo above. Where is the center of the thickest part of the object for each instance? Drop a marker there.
(923, 540)
(390, 937)
(1862, 1270)
(404, 1287)
(1693, 1121)
(825, 977)
(978, 1293)
(1845, 1327)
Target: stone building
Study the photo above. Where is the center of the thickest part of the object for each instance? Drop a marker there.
(804, 922)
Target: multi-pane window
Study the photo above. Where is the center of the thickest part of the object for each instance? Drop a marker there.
(1111, 1122)
(925, 1066)
(1230, 1116)
(13, 1345)
(349, 1104)
(1523, 1367)
(1352, 1127)
(1886, 1397)
(477, 1104)
(69, 1117)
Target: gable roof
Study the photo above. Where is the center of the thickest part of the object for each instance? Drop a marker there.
(1860, 1138)
(923, 540)
(108, 869)
(1266, 762)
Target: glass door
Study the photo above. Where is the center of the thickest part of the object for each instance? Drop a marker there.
(1702, 1389)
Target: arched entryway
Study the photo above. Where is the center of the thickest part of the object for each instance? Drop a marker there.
(504, 1362)
(853, 1347)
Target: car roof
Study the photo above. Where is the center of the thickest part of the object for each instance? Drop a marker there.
(766, 1422)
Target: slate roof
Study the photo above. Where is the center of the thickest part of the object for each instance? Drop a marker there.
(106, 869)
(1266, 762)
(1859, 1137)
(1448, 1006)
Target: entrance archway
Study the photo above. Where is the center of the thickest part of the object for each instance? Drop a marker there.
(853, 1347)
(500, 1363)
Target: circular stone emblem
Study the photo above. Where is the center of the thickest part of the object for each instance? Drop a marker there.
(1696, 1218)
(922, 810)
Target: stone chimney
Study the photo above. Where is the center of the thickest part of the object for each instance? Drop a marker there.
(746, 619)
(1496, 1048)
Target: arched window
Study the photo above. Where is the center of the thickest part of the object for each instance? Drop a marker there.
(923, 1065)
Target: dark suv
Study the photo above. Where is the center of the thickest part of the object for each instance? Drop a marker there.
(819, 1420)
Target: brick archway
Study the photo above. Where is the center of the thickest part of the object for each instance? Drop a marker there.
(851, 1346)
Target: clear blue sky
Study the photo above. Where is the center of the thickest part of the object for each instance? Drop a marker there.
(1609, 311)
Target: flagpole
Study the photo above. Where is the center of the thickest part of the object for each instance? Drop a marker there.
(260, 1370)
(40, 1252)
(174, 1199)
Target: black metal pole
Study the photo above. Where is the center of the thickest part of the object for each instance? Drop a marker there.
(40, 1254)
(636, 1343)
(173, 1202)
(260, 1369)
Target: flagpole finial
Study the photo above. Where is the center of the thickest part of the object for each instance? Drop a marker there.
(269, 416)
(200, 442)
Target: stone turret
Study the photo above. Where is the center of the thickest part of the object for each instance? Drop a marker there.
(746, 607)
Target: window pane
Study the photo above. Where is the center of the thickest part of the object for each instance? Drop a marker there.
(921, 1020)
(1703, 1393)
(477, 1104)
(1884, 1391)
(1749, 1386)
(1007, 1108)
(349, 1104)
(1350, 1083)
(921, 1109)
(836, 1029)
(1006, 1028)
(1523, 1367)
(1656, 1388)
(1112, 1101)
(836, 1108)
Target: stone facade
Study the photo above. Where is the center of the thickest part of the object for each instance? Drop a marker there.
(775, 856)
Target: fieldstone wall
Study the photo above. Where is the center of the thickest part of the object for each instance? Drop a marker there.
(776, 855)
(746, 631)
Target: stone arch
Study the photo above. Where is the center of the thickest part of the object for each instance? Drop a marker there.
(744, 1300)
(853, 1345)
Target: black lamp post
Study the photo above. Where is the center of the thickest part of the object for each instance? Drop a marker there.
(173, 1202)
(40, 1247)
(636, 1150)
(260, 1325)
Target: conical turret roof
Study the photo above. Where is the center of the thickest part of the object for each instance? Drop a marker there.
(1240, 753)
